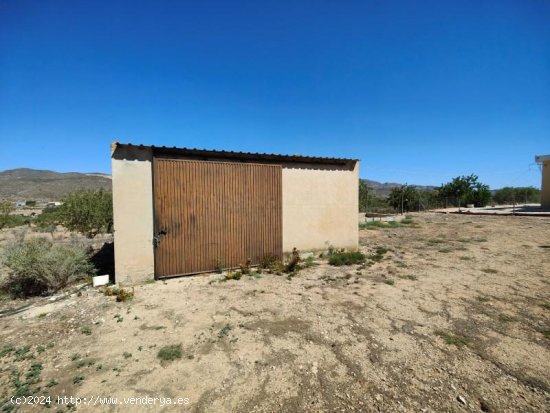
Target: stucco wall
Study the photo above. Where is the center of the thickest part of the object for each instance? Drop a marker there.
(545, 185)
(133, 214)
(320, 206)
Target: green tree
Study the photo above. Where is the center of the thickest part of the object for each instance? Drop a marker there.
(368, 201)
(6, 208)
(404, 198)
(466, 190)
(88, 212)
(509, 195)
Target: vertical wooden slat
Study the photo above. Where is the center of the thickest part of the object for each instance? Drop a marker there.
(215, 211)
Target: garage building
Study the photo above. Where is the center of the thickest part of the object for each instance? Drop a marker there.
(180, 211)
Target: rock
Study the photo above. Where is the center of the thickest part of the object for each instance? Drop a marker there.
(461, 399)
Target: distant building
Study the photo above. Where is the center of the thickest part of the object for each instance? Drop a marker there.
(54, 204)
(20, 204)
(544, 160)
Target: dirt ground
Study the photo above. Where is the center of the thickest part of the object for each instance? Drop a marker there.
(455, 317)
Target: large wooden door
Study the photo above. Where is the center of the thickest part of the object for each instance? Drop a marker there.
(214, 214)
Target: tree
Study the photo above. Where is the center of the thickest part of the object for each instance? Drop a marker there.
(509, 195)
(6, 209)
(466, 190)
(368, 201)
(88, 212)
(404, 198)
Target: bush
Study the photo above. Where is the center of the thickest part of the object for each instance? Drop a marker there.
(49, 218)
(169, 353)
(88, 212)
(340, 258)
(509, 195)
(40, 267)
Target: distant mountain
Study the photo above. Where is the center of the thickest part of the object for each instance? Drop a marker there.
(382, 190)
(38, 185)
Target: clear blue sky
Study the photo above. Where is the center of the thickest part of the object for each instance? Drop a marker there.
(420, 91)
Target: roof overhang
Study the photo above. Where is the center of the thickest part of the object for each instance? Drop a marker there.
(206, 154)
(542, 158)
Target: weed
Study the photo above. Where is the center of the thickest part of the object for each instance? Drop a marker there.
(126, 355)
(295, 259)
(412, 277)
(546, 305)
(405, 222)
(23, 353)
(378, 254)
(445, 250)
(435, 241)
(268, 261)
(466, 258)
(33, 375)
(52, 382)
(219, 266)
(408, 220)
(42, 315)
(78, 379)
(389, 282)
(245, 269)
(483, 298)
(119, 318)
(50, 344)
(224, 331)
(40, 349)
(75, 356)
(545, 333)
(80, 364)
(86, 331)
(489, 271)
(232, 275)
(169, 353)
(121, 294)
(505, 318)
(7, 350)
(340, 258)
(308, 262)
(451, 339)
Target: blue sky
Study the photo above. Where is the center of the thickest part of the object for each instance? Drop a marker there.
(420, 91)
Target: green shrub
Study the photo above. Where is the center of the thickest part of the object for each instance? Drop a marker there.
(39, 267)
(169, 353)
(340, 258)
(48, 219)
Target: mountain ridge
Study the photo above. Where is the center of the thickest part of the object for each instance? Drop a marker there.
(47, 185)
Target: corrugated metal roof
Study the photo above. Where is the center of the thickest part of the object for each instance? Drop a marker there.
(247, 156)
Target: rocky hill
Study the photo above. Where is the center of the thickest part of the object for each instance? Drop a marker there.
(41, 185)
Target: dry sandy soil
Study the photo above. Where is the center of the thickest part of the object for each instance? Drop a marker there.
(455, 317)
